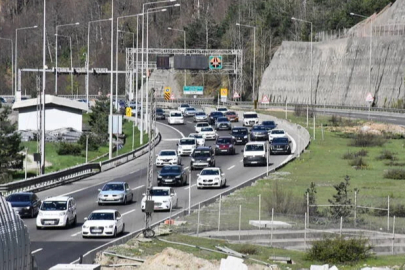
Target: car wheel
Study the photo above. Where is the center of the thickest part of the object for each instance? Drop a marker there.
(75, 222)
(32, 213)
(177, 203)
(83, 236)
(224, 185)
(39, 228)
(123, 228)
(159, 184)
(99, 203)
(115, 232)
(125, 201)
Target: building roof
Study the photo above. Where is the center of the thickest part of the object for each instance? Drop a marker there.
(49, 99)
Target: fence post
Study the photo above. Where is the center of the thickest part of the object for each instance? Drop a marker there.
(341, 225)
(272, 225)
(219, 212)
(388, 215)
(189, 191)
(198, 220)
(393, 234)
(355, 208)
(240, 216)
(305, 232)
(260, 220)
(286, 109)
(307, 115)
(308, 207)
(314, 127)
(323, 138)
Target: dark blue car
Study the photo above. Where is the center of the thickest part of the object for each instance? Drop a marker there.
(269, 124)
(213, 117)
(240, 134)
(26, 204)
(172, 175)
(280, 146)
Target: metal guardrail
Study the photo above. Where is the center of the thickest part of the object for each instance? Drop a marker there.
(15, 246)
(76, 173)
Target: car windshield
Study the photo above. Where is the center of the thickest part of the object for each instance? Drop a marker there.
(200, 113)
(222, 109)
(171, 169)
(207, 129)
(224, 140)
(187, 141)
(222, 119)
(101, 216)
(217, 114)
(209, 172)
(239, 131)
(254, 147)
(184, 105)
(203, 125)
(258, 128)
(195, 135)
(53, 206)
(250, 115)
(113, 187)
(159, 110)
(19, 198)
(202, 153)
(230, 113)
(277, 132)
(167, 153)
(159, 192)
(280, 140)
(176, 115)
(190, 109)
(269, 123)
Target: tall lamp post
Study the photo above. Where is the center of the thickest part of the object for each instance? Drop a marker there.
(254, 57)
(12, 64)
(71, 61)
(56, 53)
(16, 53)
(371, 47)
(300, 20)
(184, 37)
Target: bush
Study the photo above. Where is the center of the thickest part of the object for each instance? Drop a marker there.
(247, 249)
(395, 210)
(396, 174)
(69, 149)
(364, 139)
(359, 163)
(386, 154)
(362, 153)
(339, 250)
(301, 110)
(392, 163)
(350, 155)
(94, 142)
(283, 200)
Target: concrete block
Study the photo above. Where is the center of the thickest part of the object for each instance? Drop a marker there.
(232, 263)
(269, 224)
(76, 267)
(320, 267)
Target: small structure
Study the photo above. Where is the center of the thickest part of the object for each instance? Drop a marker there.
(59, 113)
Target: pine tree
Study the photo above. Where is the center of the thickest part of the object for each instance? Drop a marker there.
(341, 201)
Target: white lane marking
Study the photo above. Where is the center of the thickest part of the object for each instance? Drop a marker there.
(189, 187)
(126, 213)
(186, 168)
(133, 172)
(73, 235)
(241, 160)
(230, 168)
(35, 251)
(189, 122)
(175, 129)
(170, 140)
(138, 187)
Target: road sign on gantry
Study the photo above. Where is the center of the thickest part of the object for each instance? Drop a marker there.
(167, 91)
(215, 62)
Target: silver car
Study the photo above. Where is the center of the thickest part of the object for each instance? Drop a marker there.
(200, 117)
(223, 123)
(115, 192)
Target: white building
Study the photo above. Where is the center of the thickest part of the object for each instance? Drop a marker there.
(59, 113)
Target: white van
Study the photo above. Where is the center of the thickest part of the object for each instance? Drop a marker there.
(175, 117)
(57, 212)
(254, 153)
(250, 119)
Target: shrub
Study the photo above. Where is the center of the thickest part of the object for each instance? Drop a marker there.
(396, 174)
(283, 200)
(247, 249)
(94, 142)
(69, 149)
(359, 163)
(362, 153)
(395, 210)
(339, 250)
(364, 139)
(392, 163)
(386, 154)
(301, 110)
(350, 155)
(336, 120)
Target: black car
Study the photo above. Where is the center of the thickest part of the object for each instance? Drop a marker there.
(280, 146)
(172, 175)
(269, 124)
(213, 117)
(225, 145)
(202, 157)
(160, 114)
(259, 133)
(240, 134)
(26, 204)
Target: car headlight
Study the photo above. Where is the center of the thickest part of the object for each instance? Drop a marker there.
(216, 179)
(199, 179)
(178, 176)
(110, 226)
(216, 146)
(62, 214)
(28, 208)
(192, 159)
(165, 201)
(208, 159)
(159, 176)
(231, 145)
(40, 214)
(245, 137)
(85, 226)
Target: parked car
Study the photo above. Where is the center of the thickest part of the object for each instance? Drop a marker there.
(208, 133)
(200, 116)
(259, 133)
(25, 204)
(250, 119)
(172, 175)
(211, 177)
(201, 125)
(241, 135)
(213, 117)
(57, 212)
(277, 133)
(164, 198)
(168, 157)
(115, 192)
(254, 153)
(280, 146)
(106, 222)
(202, 157)
(175, 117)
(232, 116)
(160, 114)
(269, 125)
(200, 138)
(223, 123)
(189, 112)
(225, 145)
(182, 107)
(185, 146)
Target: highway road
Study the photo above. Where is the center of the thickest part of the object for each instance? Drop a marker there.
(53, 246)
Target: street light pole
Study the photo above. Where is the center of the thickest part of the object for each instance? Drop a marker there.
(12, 64)
(111, 80)
(254, 58)
(185, 50)
(43, 94)
(16, 54)
(56, 53)
(295, 19)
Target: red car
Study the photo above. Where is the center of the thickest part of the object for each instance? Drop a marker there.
(225, 145)
(232, 116)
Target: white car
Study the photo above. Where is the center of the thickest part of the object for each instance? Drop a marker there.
(277, 133)
(208, 133)
(200, 138)
(211, 177)
(107, 222)
(254, 153)
(182, 107)
(201, 125)
(186, 146)
(200, 116)
(57, 212)
(175, 117)
(250, 119)
(164, 198)
(167, 157)
(222, 109)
